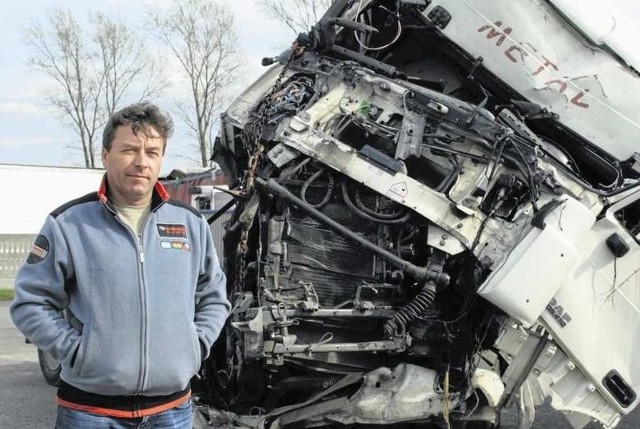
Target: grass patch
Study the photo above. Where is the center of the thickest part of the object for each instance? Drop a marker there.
(6, 294)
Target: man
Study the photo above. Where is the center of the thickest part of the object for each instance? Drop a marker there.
(140, 284)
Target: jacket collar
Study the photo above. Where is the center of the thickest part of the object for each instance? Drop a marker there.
(158, 198)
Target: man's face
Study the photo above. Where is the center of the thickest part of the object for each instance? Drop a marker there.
(133, 164)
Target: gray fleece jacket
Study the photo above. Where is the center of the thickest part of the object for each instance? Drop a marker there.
(138, 319)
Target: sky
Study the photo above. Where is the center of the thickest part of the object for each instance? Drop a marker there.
(31, 131)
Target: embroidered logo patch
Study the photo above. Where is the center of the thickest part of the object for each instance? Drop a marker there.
(170, 230)
(39, 251)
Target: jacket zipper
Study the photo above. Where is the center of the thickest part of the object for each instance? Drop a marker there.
(140, 250)
(145, 312)
(142, 380)
(143, 301)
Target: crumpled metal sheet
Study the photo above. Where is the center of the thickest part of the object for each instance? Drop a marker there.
(533, 49)
(390, 395)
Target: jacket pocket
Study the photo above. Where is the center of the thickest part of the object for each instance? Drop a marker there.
(195, 340)
(82, 350)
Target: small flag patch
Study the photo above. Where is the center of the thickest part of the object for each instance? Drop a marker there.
(176, 245)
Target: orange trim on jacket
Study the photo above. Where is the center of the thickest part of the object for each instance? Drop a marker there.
(124, 413)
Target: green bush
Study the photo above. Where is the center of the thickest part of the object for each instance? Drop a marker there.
(6, 294)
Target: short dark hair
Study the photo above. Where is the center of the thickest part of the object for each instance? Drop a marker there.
(140, 116)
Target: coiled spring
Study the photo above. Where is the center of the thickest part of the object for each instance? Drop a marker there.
(412, 311)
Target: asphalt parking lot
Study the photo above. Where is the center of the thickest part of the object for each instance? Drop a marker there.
(27, 402)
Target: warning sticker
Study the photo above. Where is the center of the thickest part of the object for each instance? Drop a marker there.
(399, 189)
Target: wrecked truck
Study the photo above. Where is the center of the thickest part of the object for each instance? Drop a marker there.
(438, 218)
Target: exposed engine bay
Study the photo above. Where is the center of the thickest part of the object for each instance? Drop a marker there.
(414, 242)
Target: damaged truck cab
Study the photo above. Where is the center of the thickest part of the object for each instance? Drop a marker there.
(439, 218)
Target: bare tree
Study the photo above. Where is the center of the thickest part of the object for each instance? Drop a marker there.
(92, 74)
(61, 53)
(201, 36)
(298, 15)
(125, 63)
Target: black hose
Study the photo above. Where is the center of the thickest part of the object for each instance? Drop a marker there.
(361, 205)
(312, 179)
(412, 311)
(304, 383)
(221, 211)
(363, 215)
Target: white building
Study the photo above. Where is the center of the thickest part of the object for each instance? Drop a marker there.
(27, 195)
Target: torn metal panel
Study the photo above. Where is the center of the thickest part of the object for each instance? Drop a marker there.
(395, 395)
(532, 48)
(439, 217)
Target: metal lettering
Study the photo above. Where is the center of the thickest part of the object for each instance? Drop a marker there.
(576, 100)
(513, 59)
(557, 311)
(545, 65)
(494, 33)
(495, 30)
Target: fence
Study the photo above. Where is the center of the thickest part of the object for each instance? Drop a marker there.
(14, 249)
